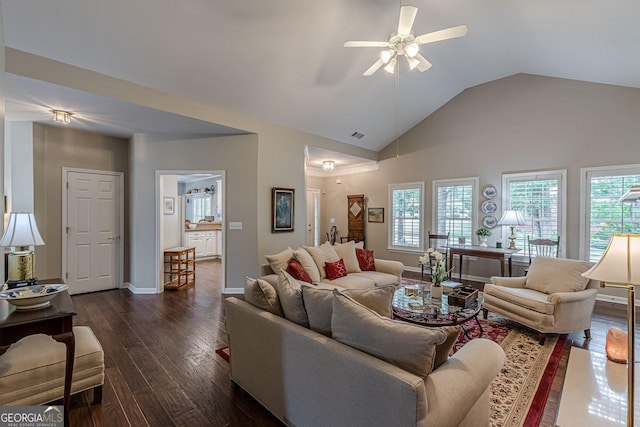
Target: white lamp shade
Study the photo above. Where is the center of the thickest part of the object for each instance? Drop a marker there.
(21, 231)
(620, 262)
(511, 217)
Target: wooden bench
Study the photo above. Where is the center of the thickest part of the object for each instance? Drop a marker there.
(32, 370)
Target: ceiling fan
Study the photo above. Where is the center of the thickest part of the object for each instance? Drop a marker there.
(403, 42)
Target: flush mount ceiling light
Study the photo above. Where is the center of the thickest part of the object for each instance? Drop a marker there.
(60, 116)
(403, 42)
(327, 165)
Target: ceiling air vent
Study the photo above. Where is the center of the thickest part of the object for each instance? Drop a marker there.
(357, 135)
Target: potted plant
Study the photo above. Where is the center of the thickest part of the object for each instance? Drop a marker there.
(438, 272)
(482, 234)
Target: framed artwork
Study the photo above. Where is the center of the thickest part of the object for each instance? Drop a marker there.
(375, 215)
(168, 205)
(282, 209)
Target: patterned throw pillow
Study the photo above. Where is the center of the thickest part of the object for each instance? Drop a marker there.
(365, 259)
(297, 271)
(335, 269)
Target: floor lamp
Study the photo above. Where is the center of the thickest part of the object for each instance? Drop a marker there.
(619, 268)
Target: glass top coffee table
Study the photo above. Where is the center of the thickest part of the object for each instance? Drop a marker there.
(412, 308)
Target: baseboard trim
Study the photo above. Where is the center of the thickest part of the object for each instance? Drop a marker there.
(140, 291)
(233, 291)
(614, 299)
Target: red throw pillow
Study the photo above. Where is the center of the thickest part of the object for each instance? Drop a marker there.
(335, 269)
(365, 259)
(297, 271)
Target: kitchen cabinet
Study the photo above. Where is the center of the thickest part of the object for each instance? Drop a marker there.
(214, 243)
(207, 243)
(197, 239)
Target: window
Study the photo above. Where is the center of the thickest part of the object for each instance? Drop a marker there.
(405, 201)
(454, 208)
(541, 199)
(602, 214)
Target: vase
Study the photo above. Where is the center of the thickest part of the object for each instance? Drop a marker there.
(483, 241)
(436, 292)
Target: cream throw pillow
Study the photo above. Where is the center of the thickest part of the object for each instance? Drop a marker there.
(321, 254)
(319, 304)
(551, 275)
(444, 350)
(347, 251)
(261, 294)
(409, 347)
(280, 260)
(290, 294)
(307, 262)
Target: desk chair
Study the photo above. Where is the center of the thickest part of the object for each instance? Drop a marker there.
(542, 247)
(439, 242)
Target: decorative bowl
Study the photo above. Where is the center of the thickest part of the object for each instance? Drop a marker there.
(30, 297)
(193, 226)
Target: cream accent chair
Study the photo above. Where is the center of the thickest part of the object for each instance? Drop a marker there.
(552, 298)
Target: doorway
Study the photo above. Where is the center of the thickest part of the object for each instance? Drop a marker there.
(313, 217)
(197, 198)
(92, 223)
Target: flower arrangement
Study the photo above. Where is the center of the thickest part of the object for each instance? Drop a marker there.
(437, 262)
(483, 232)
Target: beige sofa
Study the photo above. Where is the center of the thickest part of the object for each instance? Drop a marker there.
(552, 298)
(308, 379)
(312, 259)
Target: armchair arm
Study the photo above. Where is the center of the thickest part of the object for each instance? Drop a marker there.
(509, 282)
(573, 310)
(387, 266)
(565, 297)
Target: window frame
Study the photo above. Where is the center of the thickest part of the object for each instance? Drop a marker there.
(406, 186)
(561, 175)
(585, 198)
(475, 185)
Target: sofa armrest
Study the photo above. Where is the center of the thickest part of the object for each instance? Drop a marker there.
(456, 386)
(265, 270)
(387, 266)
(509, 282)
(565, 297)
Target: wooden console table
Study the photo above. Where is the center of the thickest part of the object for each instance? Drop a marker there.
(481, 252)
(179, 267)
(55, 320)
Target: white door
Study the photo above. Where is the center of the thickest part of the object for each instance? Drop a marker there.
(92, 230)
(313, 217)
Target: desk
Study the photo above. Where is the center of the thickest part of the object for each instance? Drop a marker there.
(481, 252)
(55, 320)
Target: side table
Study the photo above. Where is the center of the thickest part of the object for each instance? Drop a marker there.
(55, 320)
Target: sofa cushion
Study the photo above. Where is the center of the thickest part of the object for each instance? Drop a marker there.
(335, 270)
(280, 260)
(290, 294)
(297, 271)
(444, 350)
(319, 304)
(351, 281)
(551, 275)
(321, 254)
(347, 251)
(380, 279)
(526, 298)
(409, 347)
(262, 294)
(365, 259)
(307, 262)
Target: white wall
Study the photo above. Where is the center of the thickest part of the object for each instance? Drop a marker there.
(20, 191)
(170, 224)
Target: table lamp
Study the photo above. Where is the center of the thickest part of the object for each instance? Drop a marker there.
(619, 267)
(21, 233)
(511, 218)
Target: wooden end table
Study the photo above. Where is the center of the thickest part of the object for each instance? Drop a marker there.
(55, 320)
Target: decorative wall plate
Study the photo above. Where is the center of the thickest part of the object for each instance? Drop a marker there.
(30, 297)
(489, 207)
(489, 221)
(489, 192)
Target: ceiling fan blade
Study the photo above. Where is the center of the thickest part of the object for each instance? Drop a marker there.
(365, 44)
(436, 36)
(407, 16)
(424, 65)
(373, 68)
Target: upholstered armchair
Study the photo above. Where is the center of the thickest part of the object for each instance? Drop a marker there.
(552, 298)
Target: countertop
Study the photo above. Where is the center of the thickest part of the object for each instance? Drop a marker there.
(206, 226)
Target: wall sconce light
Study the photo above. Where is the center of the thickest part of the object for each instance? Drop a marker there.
(63, 117)
(328, 165)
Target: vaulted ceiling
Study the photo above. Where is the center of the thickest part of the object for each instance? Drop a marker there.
(284, 61)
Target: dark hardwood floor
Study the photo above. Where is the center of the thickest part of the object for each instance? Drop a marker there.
(162, 369)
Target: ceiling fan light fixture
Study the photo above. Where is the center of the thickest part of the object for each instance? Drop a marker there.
(60, 116)
(411, 49)
(328, 165)
(413, 62)
(391, 66)
(386, 55)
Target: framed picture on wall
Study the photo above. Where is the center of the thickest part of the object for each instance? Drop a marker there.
(282, 209)
(375, 215)
(168, 205)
